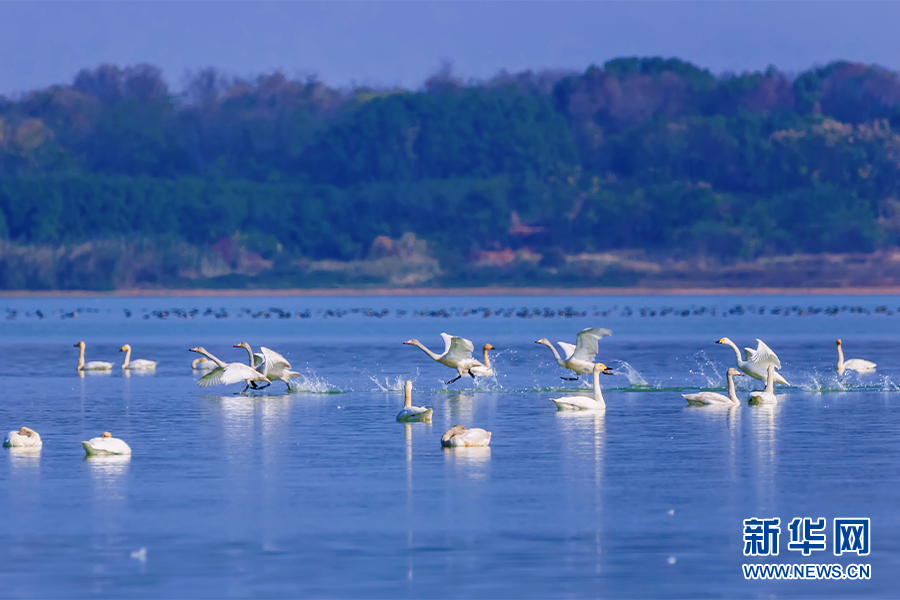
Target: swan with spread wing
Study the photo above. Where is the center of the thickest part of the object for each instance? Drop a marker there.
(755, 362)
(228, 373)
(457, 355)
(580, 355)
(271, 364)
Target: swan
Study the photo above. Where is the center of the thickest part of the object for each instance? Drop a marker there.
(582, 402)
(731, 399)
(105, 445)
(410, 412)
(139, 363)
(854, 364)
(767, 396)
(485, 370)
(755, 362)
(271, 364)
(202, 364)
(23, 438)
(580, 356)
(94, 365)
(228, 373)
(457, 354)
(458, 436)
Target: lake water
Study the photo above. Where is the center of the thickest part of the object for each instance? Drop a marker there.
(322, 493)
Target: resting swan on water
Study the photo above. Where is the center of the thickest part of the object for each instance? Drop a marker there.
(701, 398)
(767, 396)
(457, 355)
(755, 362)
(580, 356)
(202, 364)
(410, 412)
(853, 364)
(228, 373)
(139, 363)
(23, 438)
(105, 445)
(459, 437)
(94, 365)
(582, 402)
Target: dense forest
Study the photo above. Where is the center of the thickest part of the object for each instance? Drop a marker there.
(116, 180)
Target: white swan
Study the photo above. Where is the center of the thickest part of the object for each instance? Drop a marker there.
(582, 402)
(853, 364)
(485, 370)
(410, 412)
(460, 437)
(271, 364)
(731, 399)
(202, 364)
(580, 356)
(457, 354)
(755, 362)
(139, 363)
(23, 438)
(228, 373)
(105, 445)
(767, 396)
(94, 365)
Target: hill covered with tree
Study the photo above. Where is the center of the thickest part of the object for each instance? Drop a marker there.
(598, 178)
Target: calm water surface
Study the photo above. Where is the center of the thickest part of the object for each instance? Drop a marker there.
(322, 493)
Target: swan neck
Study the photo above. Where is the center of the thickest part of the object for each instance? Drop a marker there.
(732, 394)
(840, 357)
(407, 397)
(555, 353)
(737, 351)
(80, 357)
(206, 353)
(427, 351)
(770, 381)
(487, 359)
(250, 352)
(127, 358)
(598, 395)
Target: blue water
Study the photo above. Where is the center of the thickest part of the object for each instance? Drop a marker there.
(322, 493)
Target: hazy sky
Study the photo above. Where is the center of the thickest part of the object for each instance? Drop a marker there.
(386, 43)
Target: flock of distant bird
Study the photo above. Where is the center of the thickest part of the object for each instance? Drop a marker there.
(268, 366)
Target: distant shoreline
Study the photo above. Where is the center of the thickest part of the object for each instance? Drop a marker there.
(480, 291)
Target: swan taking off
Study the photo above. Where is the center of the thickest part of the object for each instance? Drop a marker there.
(23, 438)
(701, 398)
(271, 364)
(485, 370)
(228, 373)
(457, 355)
(853, 364)
(755, 362)
(94, 365)
(580, 356)
(106, 445)
(767, 396)
(460, 437)
(139, 363)
(581, 402)
(410, 412)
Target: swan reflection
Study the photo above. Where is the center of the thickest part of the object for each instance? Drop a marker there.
(764, 424)
(24, 458)
(473, 461)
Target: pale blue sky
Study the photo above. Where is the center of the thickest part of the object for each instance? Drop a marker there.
(387, 43)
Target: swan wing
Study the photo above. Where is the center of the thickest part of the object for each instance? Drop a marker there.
(448, 339)
(586, 343)
(567, 348)
(273, 362)
(460, 349)
(763, 355)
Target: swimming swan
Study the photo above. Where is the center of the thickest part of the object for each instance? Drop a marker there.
(139, 363)
(701, 398)
(457, 354)
(755, 362)
(271, 364)
(582, 402)
(853, 364)
(485, 370)
(94, 365)
(23, 438)
(202, 364)
(458, 436)
(228, 373)
(580, 356)
(410, 412)
(767, 396)
(105, 445)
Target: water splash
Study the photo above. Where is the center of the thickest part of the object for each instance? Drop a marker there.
(310, 384)
(390, 386)
(634, 377)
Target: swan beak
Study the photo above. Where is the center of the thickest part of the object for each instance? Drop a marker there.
(236, 346)
(839, 342)
(721, 341)
(407, 343)
(608, 371)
